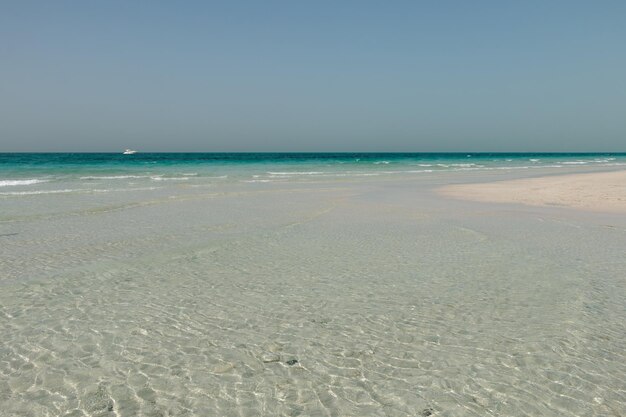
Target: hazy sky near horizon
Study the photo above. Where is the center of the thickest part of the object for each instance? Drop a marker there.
(313, 76)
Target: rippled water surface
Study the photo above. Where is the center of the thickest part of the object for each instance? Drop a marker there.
(264, 289)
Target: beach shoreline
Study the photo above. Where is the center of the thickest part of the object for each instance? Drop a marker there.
(598, 192)
(160, 285)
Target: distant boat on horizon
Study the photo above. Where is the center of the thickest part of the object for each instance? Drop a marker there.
(129, 152)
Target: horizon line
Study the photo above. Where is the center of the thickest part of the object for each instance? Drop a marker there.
(317, 152)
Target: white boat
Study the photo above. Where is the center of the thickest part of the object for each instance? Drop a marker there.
(129, 152)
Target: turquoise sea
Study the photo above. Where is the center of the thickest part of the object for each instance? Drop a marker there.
(343, 285)
(31, 173)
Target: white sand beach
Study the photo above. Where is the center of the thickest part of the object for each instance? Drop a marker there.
(603, 192)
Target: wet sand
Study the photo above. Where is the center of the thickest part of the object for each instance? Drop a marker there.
(603, 192)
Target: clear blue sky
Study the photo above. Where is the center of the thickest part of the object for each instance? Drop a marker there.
(313, 76)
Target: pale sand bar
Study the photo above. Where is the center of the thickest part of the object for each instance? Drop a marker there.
(604, 191)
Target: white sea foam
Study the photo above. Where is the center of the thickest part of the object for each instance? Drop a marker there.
(297, 173)
(274, 178)
(39, 192)
(75, 190)
(381, 162)
(352, 174)
(113, 177)
(169, 178)
(413, 171)
(523, 167)
(10, 183)
(109, 190)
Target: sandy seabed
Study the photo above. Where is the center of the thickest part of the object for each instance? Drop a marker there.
(338, 298)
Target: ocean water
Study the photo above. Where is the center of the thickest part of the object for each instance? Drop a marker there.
(85, 169)
(304, 285)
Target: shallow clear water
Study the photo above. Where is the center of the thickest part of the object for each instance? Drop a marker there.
(142, 296)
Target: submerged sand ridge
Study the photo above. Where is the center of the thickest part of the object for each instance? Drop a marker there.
(605, 192)
(344, 298)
